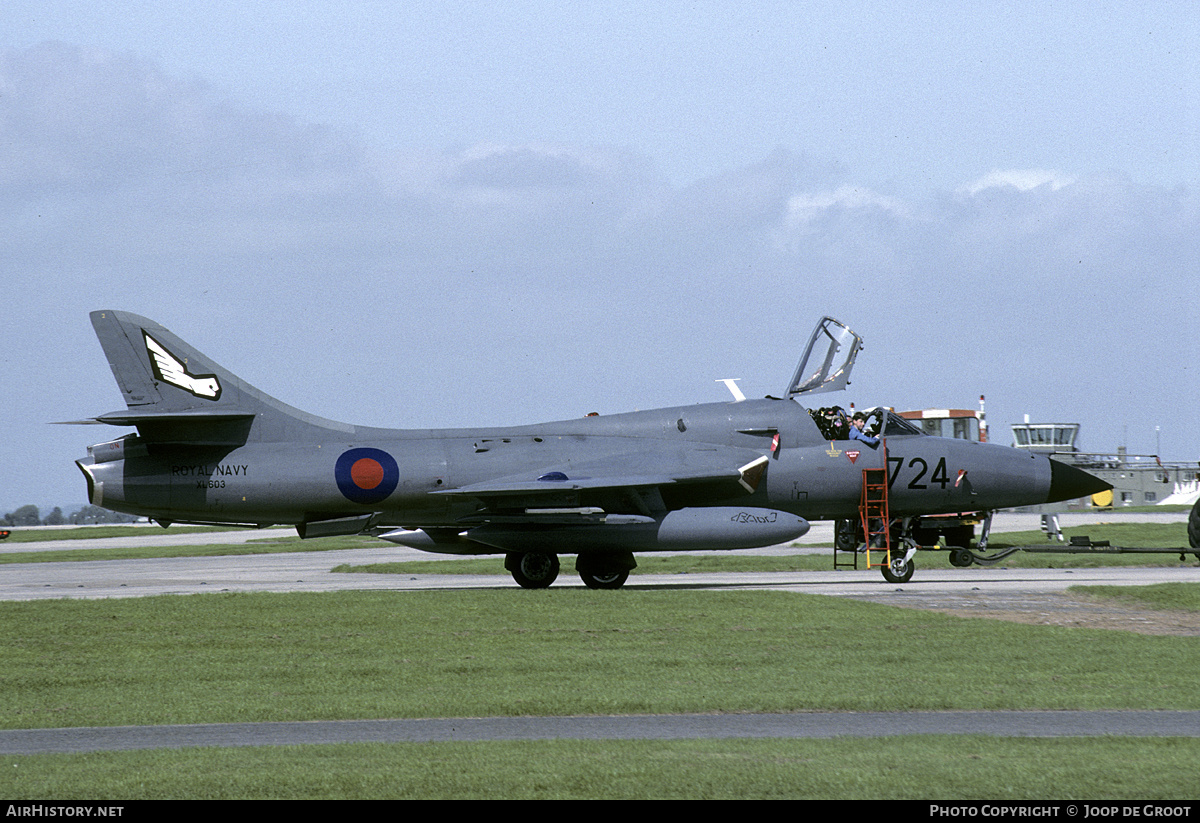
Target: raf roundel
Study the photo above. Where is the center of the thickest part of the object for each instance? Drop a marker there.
(366, 475)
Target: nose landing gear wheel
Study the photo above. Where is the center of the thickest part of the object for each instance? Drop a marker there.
(898, 571)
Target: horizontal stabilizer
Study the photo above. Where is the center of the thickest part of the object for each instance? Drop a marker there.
(134, 417)
(195, 427)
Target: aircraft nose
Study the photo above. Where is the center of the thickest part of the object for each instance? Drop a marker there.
(1069, 483)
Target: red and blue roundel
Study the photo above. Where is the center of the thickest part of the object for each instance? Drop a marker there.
(366, 475)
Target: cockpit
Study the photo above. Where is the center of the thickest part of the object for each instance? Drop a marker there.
(834, 423)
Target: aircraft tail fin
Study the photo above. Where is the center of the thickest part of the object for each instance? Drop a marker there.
(176, 394)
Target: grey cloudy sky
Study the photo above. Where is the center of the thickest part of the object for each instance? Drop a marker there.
(436, 213)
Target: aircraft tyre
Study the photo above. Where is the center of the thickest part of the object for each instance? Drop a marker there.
(899, 570)
(604, 580)
(845, 536)
(608, 572)
(532, 570)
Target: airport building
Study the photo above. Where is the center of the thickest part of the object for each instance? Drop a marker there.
(1137, 479)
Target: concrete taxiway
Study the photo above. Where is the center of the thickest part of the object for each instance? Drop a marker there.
(311, 572)
(624, 727)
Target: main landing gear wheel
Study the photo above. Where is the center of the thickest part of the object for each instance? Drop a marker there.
(532, 570)
(606, 572)
(604, 580)
(898, 571)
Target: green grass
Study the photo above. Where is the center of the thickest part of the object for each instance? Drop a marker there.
(1169, 596)
(1127, 535)
(909, 768)
(335, 655)
(20, 535)
(276, 543)
(1149, 535)
(215, 658)
(647, 564)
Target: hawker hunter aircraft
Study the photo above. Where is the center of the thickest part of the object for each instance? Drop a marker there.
(210, 448)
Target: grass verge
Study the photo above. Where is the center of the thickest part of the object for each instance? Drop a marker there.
(1167, 596)
(911, 768)
(276, 543)
(336, 655)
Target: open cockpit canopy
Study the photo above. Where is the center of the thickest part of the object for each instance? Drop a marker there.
(827, 360)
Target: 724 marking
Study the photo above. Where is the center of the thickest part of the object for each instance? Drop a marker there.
(921, 466)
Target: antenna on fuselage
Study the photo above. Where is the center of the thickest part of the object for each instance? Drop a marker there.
(731, 384)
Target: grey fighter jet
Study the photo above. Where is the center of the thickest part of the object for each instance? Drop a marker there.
(210, 448)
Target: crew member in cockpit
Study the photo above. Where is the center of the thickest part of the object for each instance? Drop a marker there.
(856, 430)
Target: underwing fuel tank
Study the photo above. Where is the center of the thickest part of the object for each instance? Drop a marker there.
(681, 530)
(728, 528)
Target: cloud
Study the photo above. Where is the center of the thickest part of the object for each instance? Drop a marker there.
(1019, 179)
(90, 118)
(805, 208)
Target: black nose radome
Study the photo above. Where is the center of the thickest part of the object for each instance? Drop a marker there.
(1069, 483)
